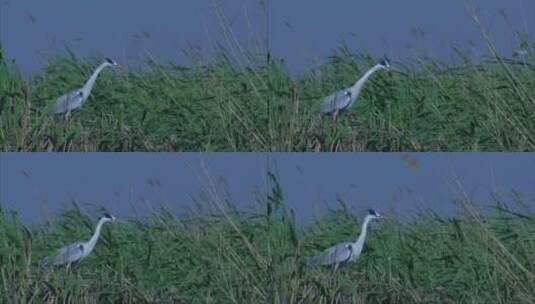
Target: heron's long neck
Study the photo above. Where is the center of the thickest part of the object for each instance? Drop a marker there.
(91, 243)
(357, 87)
(360, 241)
(91, 81)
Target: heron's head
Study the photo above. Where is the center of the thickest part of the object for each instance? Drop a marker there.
(385, 63)
(109, 217)
(374, 214)
(112, 62)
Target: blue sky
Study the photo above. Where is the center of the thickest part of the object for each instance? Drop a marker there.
(302, 32)
(38, 185)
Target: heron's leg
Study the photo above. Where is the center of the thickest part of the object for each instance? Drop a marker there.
(335, 116)
(67, 116)
(332, 279)
(335, 119)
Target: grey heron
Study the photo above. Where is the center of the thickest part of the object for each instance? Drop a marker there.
(76, 98)
(344, 99)
(347, 251)
(75, 252)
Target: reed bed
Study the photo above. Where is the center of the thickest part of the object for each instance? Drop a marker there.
(223, 255)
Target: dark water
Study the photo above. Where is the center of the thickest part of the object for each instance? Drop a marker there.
(302, 32)
(39, 185)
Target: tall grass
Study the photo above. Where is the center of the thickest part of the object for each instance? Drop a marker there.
(224, 256)
(221, 106)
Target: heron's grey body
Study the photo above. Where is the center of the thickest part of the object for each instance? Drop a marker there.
(347, 251)
(344, 99)
(77, 98)
(69, 102)
(69, 254)
(75, 252)
(339, 100)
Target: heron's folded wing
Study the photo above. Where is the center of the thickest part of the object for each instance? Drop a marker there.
(336, 101)
(68, 254)
(332, 255)
(339, 253)
(64, 102)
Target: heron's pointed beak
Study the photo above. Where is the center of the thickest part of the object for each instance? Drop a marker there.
(118, 69)
(387, 217)
(396, 70)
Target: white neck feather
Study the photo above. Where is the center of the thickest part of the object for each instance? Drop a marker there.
(362, 237)
(93, 241)
(91, 81)
(357, 87)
